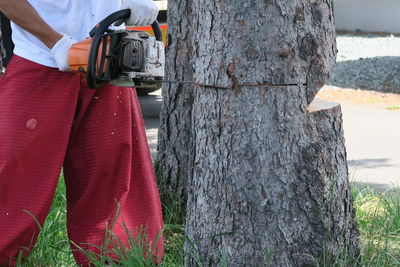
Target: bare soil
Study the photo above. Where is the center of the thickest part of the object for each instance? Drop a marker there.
(389, 101)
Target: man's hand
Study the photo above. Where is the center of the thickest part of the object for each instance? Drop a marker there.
(143, 12)
(60, 52)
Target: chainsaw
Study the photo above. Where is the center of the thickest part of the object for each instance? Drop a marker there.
(123, 58)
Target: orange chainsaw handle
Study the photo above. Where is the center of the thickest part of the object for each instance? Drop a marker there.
(78, 56)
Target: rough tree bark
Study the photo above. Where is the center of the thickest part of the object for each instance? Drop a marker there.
(268, 169)
(174, 136)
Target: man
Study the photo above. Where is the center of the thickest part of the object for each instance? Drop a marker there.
(49, 119)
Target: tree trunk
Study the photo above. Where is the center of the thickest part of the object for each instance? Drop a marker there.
(174, 136)
(269, 182)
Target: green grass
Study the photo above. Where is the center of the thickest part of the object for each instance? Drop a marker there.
(52, 247)
(393, 107)
(378, 215)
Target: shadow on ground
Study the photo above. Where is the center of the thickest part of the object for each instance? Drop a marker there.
(369, 163)
(377, 73)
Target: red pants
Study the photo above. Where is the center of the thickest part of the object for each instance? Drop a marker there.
(50, 120)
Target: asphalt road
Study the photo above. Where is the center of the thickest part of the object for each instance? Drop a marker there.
(151, 106)
(372, 137)
(372, 140)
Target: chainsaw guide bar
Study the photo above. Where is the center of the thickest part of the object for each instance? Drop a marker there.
(131, 58)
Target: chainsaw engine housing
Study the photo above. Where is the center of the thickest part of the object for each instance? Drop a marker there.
(141, 60)
(121, 57)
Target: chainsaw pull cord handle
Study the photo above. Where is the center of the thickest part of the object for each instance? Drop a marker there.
(97, 32)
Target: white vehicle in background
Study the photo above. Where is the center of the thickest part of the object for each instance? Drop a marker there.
(162, 4)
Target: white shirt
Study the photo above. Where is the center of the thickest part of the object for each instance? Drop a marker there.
(74, 18)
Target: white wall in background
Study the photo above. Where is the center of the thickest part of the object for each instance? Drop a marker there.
(367, 15)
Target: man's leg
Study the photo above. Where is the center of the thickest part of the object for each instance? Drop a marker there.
(108, 172)
(37, 106)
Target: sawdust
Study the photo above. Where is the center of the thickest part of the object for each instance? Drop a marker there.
(388, 101)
